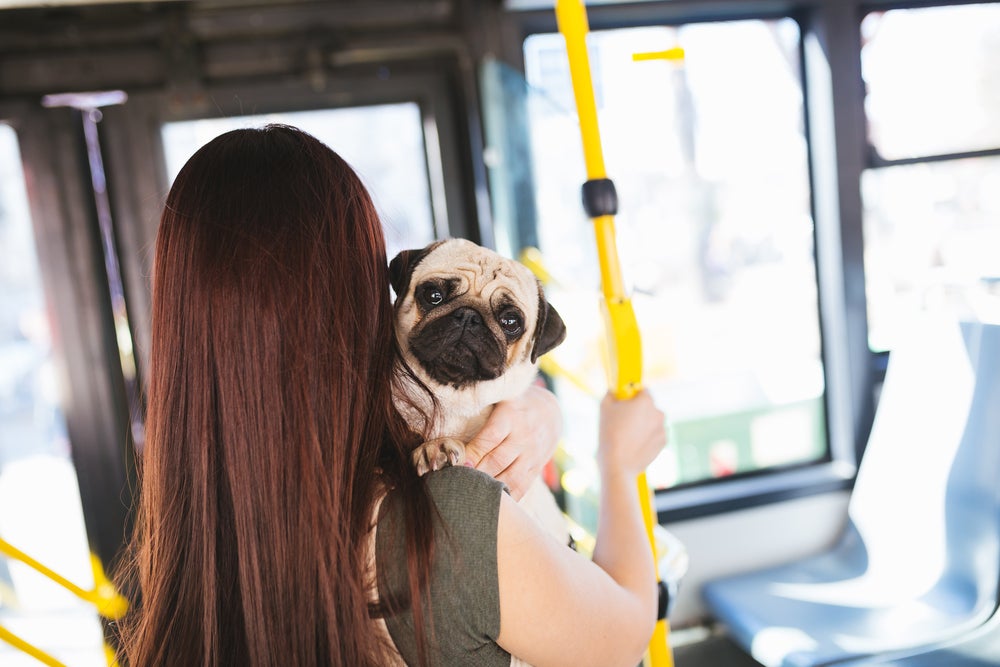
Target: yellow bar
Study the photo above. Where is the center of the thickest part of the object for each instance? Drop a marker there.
(612, 284)
(109, 602)
(676, 54)
(572, 19)
(21, 645)
(110, 656)
(553, 368)
(532, 258)
(625, 359)
(15, 553)
(658, 653)
(104, 596)
(625, 367)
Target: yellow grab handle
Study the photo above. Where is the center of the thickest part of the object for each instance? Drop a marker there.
(625, 349)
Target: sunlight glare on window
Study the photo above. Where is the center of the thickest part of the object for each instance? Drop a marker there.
(383, 143)
(933, 79)
(932, 243)
(931, 227)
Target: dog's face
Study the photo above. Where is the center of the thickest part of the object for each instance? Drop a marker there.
(465, 315)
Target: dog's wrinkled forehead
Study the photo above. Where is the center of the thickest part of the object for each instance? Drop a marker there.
(479, 270)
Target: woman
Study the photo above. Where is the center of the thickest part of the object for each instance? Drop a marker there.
(272, 439)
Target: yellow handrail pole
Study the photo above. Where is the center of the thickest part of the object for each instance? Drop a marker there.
(625, 368)
(21, 645)
(108, 602)
(15, 553)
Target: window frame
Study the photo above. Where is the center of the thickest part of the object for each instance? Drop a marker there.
(85, 351)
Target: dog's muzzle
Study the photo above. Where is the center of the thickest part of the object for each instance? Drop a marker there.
(458, 348)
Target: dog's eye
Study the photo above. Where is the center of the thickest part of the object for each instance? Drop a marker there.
(431, 295)
(511, 323)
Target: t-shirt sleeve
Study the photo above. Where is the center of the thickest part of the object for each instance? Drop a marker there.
(464, 590)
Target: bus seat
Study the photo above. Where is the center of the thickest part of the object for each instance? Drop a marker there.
(919, 560)
(980, 648)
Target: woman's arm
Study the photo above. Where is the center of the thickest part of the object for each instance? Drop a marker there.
(518, 439)
(556, 606)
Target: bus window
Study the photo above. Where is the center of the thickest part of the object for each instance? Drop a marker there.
(931, 80)
(40, 509)
(931, 203)
(715, 233)
(384, 143)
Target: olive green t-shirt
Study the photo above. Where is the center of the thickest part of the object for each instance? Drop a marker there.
(464, 590)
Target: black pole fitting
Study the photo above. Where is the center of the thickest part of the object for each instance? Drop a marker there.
(600, 197)
(664, 601)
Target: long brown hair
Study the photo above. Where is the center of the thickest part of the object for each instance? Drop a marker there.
(270, 424)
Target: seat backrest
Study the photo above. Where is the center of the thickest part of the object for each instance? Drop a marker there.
(972, 501)
(926, 502)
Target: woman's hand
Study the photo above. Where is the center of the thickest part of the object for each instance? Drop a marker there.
(518, 439)
(632, 433)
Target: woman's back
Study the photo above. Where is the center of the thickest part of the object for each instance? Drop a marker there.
(270, 417)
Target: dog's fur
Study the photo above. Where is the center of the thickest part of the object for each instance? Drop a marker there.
(471, 326)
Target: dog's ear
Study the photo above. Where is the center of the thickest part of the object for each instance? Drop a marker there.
(550, 330)
(402, 265)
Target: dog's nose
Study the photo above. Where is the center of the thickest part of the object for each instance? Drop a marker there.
(468, 316)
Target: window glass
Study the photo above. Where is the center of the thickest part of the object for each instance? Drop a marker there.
(383, 143)
(40, 511)
(932, 242)
(933, 79)
(715, 235)
(931, 227)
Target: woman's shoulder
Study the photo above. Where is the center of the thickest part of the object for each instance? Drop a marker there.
(460, 496)
(465, 499)
(461, 480)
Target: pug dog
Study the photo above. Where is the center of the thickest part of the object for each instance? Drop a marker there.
(471, 326)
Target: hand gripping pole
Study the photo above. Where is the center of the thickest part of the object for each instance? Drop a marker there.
(601, 203)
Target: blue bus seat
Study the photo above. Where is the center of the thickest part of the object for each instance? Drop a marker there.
(980, 648)
(919, 559)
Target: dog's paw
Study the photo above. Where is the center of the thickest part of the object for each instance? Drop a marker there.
(437, 454)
